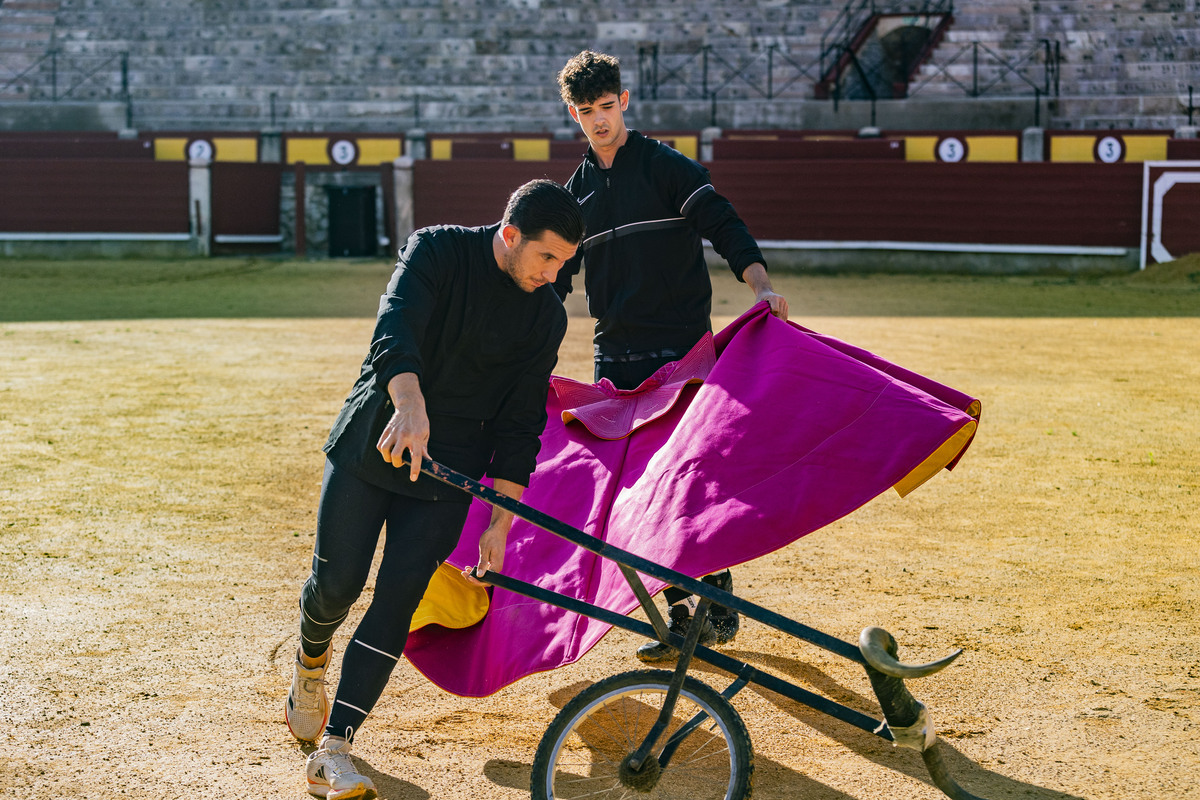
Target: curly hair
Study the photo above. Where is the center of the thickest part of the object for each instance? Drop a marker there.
(588, 76)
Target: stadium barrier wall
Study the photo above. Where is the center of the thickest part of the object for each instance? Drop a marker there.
(102, 207)
(1024, 200)
(836, 214)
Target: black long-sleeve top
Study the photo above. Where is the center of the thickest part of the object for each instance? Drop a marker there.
(483, 350)
(645, 276)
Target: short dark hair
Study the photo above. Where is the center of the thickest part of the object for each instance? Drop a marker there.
(543, 205)
(589, 76)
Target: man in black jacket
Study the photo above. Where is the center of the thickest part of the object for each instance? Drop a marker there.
(467, 334)
(647, 208)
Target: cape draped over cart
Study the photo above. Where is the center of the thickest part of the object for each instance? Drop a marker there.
(762, 434)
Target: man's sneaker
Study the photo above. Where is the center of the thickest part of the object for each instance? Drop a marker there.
(331, 773)
(307, 708)
(681, 620)
(725, 621)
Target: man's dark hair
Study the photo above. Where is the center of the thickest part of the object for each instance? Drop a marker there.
(541, 206)
(588, 76)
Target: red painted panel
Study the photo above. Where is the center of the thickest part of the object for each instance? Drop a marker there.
(783, 149)
(1035, 203)
(245, 198)
(1022, 203)
(468, 149)
(573, 149)
(63, 147)
(474, 191)
(93, 196)
(1183, 149)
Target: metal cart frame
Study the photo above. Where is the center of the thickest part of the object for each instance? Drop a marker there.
(905, 721)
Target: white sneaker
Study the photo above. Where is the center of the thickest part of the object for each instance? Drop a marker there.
(331, 774)
(307, 708)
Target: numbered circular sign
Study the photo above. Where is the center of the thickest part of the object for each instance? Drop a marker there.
(200, 149)
(1110, 149)
(951, 150)
(343, 152)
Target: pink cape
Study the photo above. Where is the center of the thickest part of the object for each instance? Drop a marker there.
(789, 431)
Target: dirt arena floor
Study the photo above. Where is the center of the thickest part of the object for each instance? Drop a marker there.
(161, 431)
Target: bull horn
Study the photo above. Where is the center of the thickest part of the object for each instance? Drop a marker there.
(879, 649)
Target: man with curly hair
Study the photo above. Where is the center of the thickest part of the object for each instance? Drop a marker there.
(647, 209)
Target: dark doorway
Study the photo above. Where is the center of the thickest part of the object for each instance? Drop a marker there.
(352, 231)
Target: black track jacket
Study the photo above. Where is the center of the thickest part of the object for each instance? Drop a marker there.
(483, 349)
(645, 277)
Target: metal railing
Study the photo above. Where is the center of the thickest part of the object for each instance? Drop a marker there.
(56, 77)
(990, 69)
(707, 71)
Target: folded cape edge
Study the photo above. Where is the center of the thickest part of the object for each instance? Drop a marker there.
(450, 601)
(941, 458)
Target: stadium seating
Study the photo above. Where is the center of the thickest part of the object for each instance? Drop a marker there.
(473, 65)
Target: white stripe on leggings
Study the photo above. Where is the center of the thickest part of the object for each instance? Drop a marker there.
(377, 650)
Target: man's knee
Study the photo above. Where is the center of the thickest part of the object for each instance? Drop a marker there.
(324, 602)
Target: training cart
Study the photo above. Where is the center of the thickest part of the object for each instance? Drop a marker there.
(663, 733)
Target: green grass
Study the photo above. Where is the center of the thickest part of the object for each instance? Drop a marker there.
(203, 288)
(44, 290)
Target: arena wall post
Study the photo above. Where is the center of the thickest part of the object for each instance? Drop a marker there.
(707, 137)
(1033, 144)
(200, 204)
(402, 181)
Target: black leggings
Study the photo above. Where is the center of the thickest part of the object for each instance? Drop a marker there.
(420, 535)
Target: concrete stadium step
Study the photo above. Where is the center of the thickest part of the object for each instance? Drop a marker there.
(366, 60)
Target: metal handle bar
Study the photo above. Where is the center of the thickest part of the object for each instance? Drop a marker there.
(643, 565)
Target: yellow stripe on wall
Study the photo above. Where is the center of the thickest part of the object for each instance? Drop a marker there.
(686, 145)
(1073, 148)
(378, 151)
(1145, 148)
(441, 149)
(991, 148)
(245, 150)
(920, 148)
(531, 149)
(310, 151)
(170, 149)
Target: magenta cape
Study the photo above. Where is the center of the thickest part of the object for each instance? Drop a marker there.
(789, 431)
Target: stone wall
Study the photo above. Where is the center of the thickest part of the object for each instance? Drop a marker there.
(472, 65)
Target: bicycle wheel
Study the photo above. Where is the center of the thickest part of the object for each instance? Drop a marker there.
(584, 752)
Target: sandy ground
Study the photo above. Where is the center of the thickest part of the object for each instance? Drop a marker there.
(158, 483)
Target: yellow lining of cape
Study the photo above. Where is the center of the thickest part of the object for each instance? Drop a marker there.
(940, 458)
(451, 601)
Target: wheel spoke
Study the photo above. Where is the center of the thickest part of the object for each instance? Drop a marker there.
(582, 754)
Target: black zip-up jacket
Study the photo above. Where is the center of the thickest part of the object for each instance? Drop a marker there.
(483, 349)
(646, 281)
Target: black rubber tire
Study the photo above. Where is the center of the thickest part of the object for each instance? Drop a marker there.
(627, 704)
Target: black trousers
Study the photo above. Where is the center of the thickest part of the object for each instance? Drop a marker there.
(630, 374)
(420, 536)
